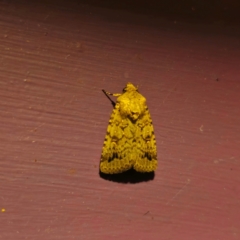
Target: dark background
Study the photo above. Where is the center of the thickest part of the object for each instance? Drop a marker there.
(56, 56)
(190, 10)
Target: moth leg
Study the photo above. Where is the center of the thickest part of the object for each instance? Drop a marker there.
(113, 94)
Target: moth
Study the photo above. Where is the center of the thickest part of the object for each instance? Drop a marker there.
(130, 141)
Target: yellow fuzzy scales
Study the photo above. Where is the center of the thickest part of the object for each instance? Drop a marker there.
(130, 140)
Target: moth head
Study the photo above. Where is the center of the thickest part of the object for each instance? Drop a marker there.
(130, 87)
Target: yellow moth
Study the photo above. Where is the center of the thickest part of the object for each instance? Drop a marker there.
(130, 140)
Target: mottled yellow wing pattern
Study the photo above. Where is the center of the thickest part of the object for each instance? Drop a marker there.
(130, 140)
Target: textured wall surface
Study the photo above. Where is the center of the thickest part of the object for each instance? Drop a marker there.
(54, 61)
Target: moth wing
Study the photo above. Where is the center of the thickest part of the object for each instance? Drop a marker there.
(116, 147)
(129, 144)
(146, 160)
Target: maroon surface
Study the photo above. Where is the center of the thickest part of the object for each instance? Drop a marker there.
(54, 61)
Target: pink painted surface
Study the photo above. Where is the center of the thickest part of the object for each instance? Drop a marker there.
(54, 63)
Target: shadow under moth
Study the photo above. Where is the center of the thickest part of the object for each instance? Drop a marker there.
(130, 141)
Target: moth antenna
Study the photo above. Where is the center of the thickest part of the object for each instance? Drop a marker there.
(107, 95)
